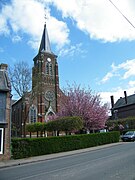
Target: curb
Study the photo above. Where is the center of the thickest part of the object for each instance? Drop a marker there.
(18, 162)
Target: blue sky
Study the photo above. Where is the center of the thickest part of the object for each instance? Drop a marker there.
(94, 43)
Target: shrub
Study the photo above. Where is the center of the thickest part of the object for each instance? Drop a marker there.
(128, 123)
(36, 127)
(66, 124)
(27, 147)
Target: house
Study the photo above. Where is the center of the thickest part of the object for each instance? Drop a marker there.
(45, 96)
(124, 106)
(5, 112)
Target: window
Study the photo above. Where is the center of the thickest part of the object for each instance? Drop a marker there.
(33, 114)
(47, 68)
(1, 140)
(2, 107)
(50, 69)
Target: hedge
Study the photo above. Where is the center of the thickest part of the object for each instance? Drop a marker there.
(27, 147)
(128, 123)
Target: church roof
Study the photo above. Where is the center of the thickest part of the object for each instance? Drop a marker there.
(121, 102)
(45, 43)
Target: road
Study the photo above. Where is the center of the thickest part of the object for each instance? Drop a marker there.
(111, 163)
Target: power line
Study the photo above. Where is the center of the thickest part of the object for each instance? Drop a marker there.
(122, 14)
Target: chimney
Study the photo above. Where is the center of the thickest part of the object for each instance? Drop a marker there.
(112, 101)
(3, 66)
(125, 94)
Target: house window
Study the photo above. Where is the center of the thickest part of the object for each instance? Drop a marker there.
(2, 107)
(1, 140)
(33, 114)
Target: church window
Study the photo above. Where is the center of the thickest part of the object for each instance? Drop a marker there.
(33, 114)
(47, 68)
(50, 68)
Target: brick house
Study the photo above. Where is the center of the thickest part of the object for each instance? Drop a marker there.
(124, 106)
(5, 111)
(44, 98)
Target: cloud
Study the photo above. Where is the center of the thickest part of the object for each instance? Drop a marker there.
(116, 93)
(72, 50)
(16, 39)
(123, 71)
(131, 83)
(3, 26)
(99, 19)
(27, 17)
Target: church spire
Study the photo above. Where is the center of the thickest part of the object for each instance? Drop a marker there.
(45, 43)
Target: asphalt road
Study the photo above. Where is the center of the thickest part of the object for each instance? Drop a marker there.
(111, 163)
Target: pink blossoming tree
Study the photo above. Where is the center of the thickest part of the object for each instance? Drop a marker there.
(81, 102)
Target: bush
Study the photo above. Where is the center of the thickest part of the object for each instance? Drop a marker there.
(128, 123)
(27, 147)
(67, 124)
(36, 127)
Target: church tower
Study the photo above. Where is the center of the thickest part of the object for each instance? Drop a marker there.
(45, 80)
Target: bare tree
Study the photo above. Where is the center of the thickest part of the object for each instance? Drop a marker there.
(20, 76)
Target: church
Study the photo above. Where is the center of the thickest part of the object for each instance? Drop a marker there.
(45, 96)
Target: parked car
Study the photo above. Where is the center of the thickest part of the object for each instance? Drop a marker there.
(128, 136)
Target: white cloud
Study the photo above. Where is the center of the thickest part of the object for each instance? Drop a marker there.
(27, 16)
(72, 50)
(16, 39)
(99, 18)
(3, 25)
(123, 71)
(131, 83)
(116, 93)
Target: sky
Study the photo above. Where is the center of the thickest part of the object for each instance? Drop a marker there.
(94, 42)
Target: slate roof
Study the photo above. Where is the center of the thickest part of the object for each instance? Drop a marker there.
(121, 102)
(45, 43)
(4, 81)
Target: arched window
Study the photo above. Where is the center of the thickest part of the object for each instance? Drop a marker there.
(47, 68)
(50, 69)
(32, 114)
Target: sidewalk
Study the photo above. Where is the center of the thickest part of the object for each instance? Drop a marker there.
(9, 163)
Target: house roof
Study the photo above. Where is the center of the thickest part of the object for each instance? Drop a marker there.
(45, 43)
(121, 102)
(4, 81)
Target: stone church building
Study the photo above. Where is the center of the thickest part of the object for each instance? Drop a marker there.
(44, 98)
